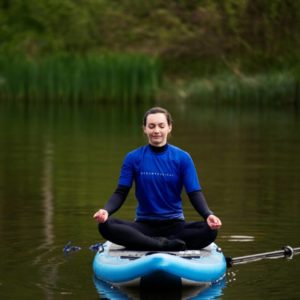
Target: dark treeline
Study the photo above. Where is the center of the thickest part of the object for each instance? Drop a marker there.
(236, 49)
(231, 32)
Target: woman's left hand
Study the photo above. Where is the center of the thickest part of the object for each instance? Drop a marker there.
(213, 222)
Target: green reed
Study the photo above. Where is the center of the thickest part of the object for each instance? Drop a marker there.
(270, 88)
(65, 78)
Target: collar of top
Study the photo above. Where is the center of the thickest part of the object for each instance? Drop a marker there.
(158, 149)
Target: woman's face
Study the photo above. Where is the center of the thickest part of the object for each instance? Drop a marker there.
(157, 129)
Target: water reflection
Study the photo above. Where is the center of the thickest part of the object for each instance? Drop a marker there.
(57, 165)
(107, 291)
(47, 191)
(49, 271)
(238, 238)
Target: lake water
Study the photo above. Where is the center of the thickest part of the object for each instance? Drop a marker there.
(59, 165)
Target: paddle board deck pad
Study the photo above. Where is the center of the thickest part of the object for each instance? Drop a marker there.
(119, 266)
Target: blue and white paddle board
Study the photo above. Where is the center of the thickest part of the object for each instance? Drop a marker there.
(119, 266)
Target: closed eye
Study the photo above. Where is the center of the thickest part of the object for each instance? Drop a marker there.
(160, 125)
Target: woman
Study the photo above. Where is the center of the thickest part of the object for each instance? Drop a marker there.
(159, 171)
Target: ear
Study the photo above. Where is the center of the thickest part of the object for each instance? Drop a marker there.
(170, 128)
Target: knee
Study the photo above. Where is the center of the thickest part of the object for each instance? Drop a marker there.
(214, 234)
(211, 234)
(103, 228)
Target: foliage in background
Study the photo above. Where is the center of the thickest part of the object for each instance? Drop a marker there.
(195, 41)
(92, 78)
(276, 88)
(264, 31)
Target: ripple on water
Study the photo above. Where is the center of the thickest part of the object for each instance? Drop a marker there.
(239, 238)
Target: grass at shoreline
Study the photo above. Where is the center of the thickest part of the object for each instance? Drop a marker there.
(66, 78)
(132, 78)
(271, 88)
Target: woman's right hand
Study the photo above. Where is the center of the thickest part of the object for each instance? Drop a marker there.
(101, 216)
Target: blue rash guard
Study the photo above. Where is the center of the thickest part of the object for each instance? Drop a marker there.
(159, 178)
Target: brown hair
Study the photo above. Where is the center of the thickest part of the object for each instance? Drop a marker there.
(155, 110)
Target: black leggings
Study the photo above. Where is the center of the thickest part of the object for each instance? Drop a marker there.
(144, 234)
